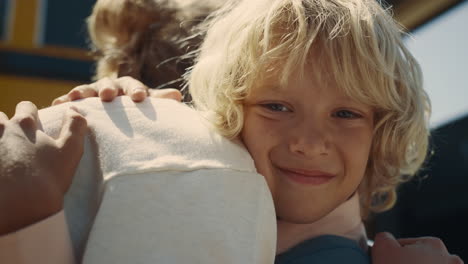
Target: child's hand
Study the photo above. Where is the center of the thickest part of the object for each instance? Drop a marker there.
(425, 250)
(107, 89)
(35, 169)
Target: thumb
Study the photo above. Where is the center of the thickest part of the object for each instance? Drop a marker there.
(384, 242)
(71, 138)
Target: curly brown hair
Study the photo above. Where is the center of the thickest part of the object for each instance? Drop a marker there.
(149, 40)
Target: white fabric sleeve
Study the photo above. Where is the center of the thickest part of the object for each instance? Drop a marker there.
(47, 241)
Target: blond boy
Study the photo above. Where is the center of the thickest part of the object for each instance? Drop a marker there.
(327, 101)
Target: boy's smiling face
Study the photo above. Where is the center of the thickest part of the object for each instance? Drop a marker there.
(311, 143)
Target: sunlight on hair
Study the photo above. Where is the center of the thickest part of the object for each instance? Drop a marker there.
(356, 44)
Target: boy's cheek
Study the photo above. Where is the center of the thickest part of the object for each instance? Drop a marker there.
(357, 140)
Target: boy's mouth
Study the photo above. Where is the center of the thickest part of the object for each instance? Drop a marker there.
(314, 177)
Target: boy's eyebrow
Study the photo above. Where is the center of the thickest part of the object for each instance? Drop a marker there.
(277, 88)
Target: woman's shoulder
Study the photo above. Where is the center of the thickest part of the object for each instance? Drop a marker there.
(325, 249)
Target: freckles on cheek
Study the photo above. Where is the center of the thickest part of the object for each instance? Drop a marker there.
(363, 149)
(356, 144)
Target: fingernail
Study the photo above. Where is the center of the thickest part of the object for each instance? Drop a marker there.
(139, 89)
(75, 95)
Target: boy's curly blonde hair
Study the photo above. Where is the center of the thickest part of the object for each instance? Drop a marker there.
(361, 50)
(146, 39)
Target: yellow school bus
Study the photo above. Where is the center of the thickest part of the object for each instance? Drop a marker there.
(43, 50)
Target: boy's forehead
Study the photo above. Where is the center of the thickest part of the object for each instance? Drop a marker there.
(319, 70)
(312, 73)
(314, 77)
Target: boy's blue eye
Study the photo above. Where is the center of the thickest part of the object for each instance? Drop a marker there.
(276, 107)
(346, 114)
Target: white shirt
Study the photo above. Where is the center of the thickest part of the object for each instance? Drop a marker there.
(157, 185)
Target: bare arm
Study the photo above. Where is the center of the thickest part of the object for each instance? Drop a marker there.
(35, 172)
(35, 169)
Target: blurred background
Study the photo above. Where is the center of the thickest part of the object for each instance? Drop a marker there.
(43, 50)
(43, 54)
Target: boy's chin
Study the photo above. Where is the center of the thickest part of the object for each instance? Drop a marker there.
(301, 217)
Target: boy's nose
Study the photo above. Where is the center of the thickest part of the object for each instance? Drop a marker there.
(309, 140)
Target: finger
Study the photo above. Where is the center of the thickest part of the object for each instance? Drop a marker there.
(169, 93)
(409, 241)
(454, 259)
(88, 90)
(434, 242)
(387, 239)
(384, 242)
(133, 88)
(82, 91)
(74, 127)
(26, 116)
(60, 100)
(3, 120)
(70, 139)
(71, 142)
(138, 94)
(3, 117)
(74, 94)
(107, 89)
